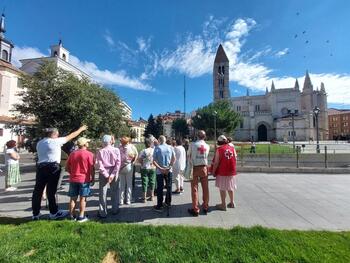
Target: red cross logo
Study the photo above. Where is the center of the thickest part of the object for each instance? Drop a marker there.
(201, 149)
(228, 154)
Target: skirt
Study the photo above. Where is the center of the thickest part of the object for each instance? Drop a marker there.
(226, 183)
(12, 174)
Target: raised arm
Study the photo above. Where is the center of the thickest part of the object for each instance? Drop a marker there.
(76, 133)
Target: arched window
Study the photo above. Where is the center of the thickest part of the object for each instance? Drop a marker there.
(64, 57)
(55, 54)
(223, 70)
(219, 69)
(5, 55)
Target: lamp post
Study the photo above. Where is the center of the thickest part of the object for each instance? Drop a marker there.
(215, 113)
(293, 113)
(316, 112)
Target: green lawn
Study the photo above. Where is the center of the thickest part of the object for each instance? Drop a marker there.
(91, 242)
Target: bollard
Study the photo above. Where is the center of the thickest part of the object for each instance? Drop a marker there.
(298, 156)
(269, 151)
(325, 157)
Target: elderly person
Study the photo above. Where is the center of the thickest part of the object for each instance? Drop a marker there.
(179, 166)
(108, 164)
(198, 155)
(49, 170)
(148, 173)
(163, 159)
(224, 169)
(128, 155)
(12, 175)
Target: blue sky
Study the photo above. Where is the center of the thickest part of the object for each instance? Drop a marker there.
(143, 49)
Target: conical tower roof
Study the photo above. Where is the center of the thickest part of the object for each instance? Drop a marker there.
(221, 56)
(307, 82)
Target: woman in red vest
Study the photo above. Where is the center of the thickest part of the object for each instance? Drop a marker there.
(224, 169)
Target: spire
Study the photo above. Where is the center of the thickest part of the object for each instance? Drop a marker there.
(307, 82)
(60, 42)
(273, 86)
(323, 89)
(296, 86)
(247, 92)
(266, 90)
(2, 26)
(220, 55)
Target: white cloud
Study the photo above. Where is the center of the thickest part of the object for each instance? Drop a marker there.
(282, 52)
(108, 37)
(144, 44)
(103, 76)
(25, 52)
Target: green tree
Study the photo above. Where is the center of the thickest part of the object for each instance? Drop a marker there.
(180, 127)
(150, 127)
(159, 127)
(57, 98)
(227, 119)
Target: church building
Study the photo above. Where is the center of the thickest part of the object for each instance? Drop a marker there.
(277, 113)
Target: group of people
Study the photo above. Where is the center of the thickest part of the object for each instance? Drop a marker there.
(161, 161)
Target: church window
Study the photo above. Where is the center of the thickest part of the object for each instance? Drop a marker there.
(223, 70)
(5, 55)
(221, 92)
(64, 57)
(219, 69)
(257, 107)
(238, 108)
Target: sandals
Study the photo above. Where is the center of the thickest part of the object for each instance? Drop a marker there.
(220, 207)
(231, 205)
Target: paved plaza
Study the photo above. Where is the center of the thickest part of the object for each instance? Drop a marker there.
(283, 201)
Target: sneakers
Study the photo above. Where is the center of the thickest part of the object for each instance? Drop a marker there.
(10, 189)
(59, 214)
(158, 209)
(37, 217)
(82, 219)
(192, 212)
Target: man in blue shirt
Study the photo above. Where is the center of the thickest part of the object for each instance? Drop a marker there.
(163, 159)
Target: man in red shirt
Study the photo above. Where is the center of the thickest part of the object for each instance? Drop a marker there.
(80, 166)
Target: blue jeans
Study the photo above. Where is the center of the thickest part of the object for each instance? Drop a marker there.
(160, 185)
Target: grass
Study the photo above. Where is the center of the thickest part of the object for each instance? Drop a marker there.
(65, 241)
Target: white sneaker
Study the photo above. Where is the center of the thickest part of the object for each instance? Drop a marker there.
(59, 214)
(82, 219)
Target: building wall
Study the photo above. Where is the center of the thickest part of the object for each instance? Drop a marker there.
(8, 92)
(339, 125)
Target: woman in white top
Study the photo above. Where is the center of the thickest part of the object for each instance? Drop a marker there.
(12, 166)
(179, 166)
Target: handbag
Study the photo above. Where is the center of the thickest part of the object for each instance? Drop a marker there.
(188, 171)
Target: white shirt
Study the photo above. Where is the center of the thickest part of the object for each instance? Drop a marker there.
(8, 158)
(180, 154)
(147, 158)
(49, 149)
(199, 151)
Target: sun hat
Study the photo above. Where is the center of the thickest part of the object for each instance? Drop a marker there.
(82, 141)
(222, 138)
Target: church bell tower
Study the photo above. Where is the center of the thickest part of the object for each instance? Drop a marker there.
(221, 75)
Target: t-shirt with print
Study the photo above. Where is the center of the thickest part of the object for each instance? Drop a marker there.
(81, 163)
(147, 158)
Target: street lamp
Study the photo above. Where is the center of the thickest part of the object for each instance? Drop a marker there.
(293, 113)
(215, 113)
(316, 111)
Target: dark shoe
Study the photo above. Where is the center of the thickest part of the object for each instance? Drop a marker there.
(220, 207)
(231, 205)
(192, 212)
(158, 209)
(205, 211)
(101, 216)
(167, 205)
(60, 214)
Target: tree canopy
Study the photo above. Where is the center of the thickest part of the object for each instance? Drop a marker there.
(154, 126)
(180, 127)
(227, 119)
(57, 98)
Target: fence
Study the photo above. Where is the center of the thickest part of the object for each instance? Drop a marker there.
(277, 155)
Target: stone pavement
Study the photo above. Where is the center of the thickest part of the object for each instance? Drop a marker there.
(283, 201)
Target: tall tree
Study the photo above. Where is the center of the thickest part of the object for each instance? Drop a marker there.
(57, 98)
(180, 127)
(150, 127)
(159, 127)
(226, 118)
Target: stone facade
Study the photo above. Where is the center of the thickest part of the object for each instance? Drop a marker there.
(272, 116)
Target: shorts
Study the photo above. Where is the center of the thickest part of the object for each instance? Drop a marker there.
(81, 189)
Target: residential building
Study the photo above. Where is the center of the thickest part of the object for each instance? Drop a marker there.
(138, 128)
(339, 124)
